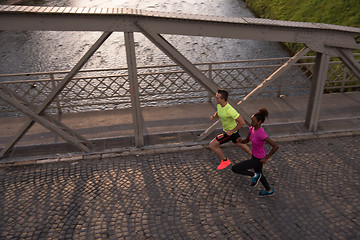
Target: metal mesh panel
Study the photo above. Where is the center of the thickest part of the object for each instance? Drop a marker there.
(95, 93)
(341, 79)
(93, 90)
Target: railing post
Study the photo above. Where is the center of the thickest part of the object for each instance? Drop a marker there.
(57, 98)
(345, 72)
(279, 87)
(134, 89)
(210, 95)
(316, 91)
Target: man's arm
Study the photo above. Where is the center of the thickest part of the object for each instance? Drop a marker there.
(239, 124)
(214, 116)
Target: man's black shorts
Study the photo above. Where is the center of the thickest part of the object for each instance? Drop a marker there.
(224, 138)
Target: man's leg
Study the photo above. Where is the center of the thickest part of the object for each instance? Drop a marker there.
(244, 147)
(215, 147)
(235, 138)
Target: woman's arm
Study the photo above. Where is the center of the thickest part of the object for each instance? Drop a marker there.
(247, 139)
(275, 147)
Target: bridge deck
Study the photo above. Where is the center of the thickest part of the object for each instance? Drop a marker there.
(182, 124)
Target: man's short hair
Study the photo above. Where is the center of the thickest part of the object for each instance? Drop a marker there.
(224, 94)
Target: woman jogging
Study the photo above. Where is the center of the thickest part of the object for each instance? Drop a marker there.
(258, 137)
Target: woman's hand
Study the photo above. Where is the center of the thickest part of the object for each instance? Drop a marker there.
(264, 160)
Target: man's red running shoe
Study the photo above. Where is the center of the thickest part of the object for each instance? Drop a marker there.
(224, 164)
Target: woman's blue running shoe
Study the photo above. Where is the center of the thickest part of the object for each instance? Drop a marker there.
(255, 180)
(264, 193)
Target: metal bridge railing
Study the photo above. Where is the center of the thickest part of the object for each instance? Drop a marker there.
(105, 89)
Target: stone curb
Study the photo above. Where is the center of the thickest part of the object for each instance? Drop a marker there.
(158, 149)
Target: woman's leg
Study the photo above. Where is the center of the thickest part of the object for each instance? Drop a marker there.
(244, 147)
(263, 179)
(242, 167)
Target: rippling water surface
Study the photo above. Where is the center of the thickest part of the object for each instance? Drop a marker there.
(37, 51)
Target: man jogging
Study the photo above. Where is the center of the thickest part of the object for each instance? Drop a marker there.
(231, 122)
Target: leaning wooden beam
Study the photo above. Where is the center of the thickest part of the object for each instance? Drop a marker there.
(46, 121)
(280, 71)
(209, 130)
(28, 124)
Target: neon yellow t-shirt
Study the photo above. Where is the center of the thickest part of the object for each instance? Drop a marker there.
(227, 116)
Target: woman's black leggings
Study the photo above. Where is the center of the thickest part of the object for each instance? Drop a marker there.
(253, 163)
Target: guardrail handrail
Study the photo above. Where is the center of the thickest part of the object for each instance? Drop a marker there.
(158, 83)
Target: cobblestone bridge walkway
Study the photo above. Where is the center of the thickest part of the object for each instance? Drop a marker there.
(181, 195)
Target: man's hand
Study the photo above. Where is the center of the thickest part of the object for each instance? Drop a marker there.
(212, 117)
(229, 132)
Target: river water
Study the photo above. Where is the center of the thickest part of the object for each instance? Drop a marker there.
(37, 51)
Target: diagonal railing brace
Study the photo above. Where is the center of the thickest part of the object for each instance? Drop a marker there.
(39, 111)
(48, 122)
(177, 57)
(347, 57)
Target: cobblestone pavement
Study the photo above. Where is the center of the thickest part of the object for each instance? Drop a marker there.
(181, 195)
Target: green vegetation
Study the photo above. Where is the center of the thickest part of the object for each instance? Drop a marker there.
(338, 12)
